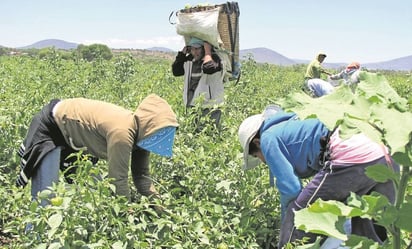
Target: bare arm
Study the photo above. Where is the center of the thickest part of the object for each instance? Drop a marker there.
(211, 63)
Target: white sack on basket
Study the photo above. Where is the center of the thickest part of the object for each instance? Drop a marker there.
(202, 24)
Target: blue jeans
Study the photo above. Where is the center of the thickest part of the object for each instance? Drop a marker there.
(319, 87)
(46, 174)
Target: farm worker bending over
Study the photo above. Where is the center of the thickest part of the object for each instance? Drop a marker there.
(104, 130)
(350, 75)
(313, 83)
(294, 149)
(203, 76)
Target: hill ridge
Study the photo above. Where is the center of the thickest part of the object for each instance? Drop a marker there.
(259, 54)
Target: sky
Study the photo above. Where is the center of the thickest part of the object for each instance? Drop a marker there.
(350, 30)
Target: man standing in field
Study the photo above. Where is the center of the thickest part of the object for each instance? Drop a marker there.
(203, 77)
(295, 149)
(102, 129)
(313, 83)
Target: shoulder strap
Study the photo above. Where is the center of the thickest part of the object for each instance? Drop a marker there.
(170, 16)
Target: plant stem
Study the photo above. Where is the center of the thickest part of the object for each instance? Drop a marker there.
(403, 184)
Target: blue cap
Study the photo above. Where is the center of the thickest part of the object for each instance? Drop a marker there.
(196, 42)
(161, 142)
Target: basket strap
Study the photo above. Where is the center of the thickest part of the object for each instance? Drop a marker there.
(170, 16)
(230, 8)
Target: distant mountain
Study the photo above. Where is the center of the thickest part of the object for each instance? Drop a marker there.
(58, 44)
(160, 49)
(260, 55)
(264, 55)
(403, 63)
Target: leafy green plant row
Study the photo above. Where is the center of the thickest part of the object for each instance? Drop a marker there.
(208, 201)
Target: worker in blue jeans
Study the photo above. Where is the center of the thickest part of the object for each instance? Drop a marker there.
(122, 137)
(295, 149)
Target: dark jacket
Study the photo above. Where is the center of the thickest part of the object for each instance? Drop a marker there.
(210, 85)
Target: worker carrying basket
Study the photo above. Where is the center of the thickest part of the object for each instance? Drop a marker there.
(217, 25)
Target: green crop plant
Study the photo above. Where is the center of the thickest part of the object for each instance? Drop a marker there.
(206, 198)
(375, 109)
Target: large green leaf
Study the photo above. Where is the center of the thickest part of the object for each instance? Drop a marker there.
(382, 173)
(389, 214)
(373, 108)
(367, 205)
(321, 223)
(327, 217)
(405, 217)
(335, 207)
(358, 242)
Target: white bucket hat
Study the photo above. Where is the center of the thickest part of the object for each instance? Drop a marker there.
(248, 129)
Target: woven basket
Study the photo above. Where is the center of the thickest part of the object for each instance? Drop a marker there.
(228, 28)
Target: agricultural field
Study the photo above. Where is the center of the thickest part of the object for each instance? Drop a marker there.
(207, 200)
